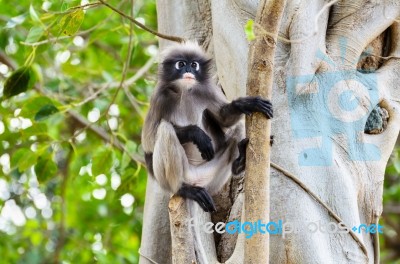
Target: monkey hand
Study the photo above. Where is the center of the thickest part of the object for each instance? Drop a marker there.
(198, 194)
(203, 143)
(251, 104)
(195, 134)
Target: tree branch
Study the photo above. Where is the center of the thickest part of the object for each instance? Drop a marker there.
(80, 119)
(104, 135)
(316, 198)
(259, 83)
(182, 236)
(6, 60)
(137, 23)
(82, 33)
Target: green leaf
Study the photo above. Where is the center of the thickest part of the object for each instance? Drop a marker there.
(33, 14)
(248, 29)
(14, 21)
(20, 81)
(70, 23)
(131, 147)
(37, 71)
(15, 174)
(35, 33)
(102, 161)
(23, 159)
(45, 169)
(32, 105)
(37, 129)
(47, 16)
(64, 7)
(46, 111)
(396, 164)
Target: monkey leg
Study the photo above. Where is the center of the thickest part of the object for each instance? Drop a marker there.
(169, 158)
(171, 166)
(214, 174)
(239, 164)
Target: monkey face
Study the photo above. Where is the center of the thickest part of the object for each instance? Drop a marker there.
(187, 71)
(185, 67)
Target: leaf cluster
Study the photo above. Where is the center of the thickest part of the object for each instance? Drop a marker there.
(57, 170)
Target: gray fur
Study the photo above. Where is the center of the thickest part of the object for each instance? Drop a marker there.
(174, 163)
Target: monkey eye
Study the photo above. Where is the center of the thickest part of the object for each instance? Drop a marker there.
(180, 64)
(195, 65)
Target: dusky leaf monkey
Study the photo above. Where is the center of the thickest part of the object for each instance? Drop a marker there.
(193, 137)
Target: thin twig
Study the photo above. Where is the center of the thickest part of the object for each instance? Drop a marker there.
(93, 95)
(316, 198)
(95, 129)
(137, 23)
(381, 57)
(124, 72)
(120, 83)
(87, 6)
(55, 39)
(7, 60)
(133, 102)
(375, 237)
(148, 258)
(128, 82)
(82, 33)
(74, 8)
(104, 135)
(139, 74)
(105, 86)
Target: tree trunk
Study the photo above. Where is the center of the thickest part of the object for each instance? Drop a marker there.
(328, 80)
(259, 83)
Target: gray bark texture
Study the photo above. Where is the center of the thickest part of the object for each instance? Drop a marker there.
(341, 61)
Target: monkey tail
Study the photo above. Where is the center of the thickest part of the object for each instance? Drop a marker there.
(198, 245)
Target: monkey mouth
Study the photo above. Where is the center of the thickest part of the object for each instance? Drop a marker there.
(188, 76)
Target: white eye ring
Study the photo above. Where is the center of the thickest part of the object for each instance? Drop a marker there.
(195, 65)
(180, 64)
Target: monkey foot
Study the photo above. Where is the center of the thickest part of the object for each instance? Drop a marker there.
(198, 194)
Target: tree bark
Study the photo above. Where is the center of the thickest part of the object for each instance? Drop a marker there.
(259, 83)
(182, 235)
(321, 104)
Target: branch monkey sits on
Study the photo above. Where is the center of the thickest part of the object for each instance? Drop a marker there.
(193, 138)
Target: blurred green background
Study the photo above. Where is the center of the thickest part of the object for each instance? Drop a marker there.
(65, 194)
(85, 74)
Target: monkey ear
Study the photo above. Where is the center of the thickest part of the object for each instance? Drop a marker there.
(206, 64)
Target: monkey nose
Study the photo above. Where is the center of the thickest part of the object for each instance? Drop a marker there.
(188, 75)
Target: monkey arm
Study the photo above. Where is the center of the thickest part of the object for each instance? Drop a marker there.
(229, 114)
(195, 134)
